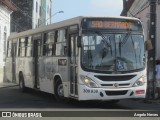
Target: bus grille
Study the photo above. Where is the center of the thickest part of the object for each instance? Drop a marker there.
(119, 85)
(115, 78)
(112, 93)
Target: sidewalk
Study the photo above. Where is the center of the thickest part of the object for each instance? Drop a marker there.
(7, 84)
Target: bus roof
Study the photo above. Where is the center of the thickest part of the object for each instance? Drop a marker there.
(72, 21)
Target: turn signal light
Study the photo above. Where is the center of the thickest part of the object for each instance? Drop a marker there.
(140, 92)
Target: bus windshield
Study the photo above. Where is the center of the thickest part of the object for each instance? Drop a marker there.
(113, 52)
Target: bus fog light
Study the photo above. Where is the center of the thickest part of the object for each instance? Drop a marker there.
(139, 82)
(88, 81)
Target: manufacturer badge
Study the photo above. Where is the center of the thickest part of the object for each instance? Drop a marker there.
(116, 85)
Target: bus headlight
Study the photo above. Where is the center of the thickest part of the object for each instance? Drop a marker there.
(88, 81)
(139, 82)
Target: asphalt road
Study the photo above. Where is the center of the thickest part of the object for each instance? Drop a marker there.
(13, 98)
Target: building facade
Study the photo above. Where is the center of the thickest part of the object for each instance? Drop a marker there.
(6, 8)
(21, 19)
(141, 10)
(41, 13)
(148, 12)
(30, 14)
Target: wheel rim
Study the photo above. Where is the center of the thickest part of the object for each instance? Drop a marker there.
(60, 90)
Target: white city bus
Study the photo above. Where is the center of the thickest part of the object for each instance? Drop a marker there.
(84, 58)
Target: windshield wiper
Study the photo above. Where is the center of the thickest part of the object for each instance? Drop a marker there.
(123, 42)
(135, 55)
(104, 50)
(105, 41)
(125, 38)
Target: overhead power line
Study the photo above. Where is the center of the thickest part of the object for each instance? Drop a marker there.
(21, 10)
(19, 26)
(51, 17)
(22, 28)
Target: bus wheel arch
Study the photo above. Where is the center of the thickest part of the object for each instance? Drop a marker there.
(21, 82)
(58, 88)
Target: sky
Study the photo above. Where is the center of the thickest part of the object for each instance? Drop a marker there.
(74, 8)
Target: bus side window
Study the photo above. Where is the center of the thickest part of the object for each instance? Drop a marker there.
(22, 47)
(29, 46)
(19, 41)
(51, 41)
(48, 44)
(61, 48)
(45, 44)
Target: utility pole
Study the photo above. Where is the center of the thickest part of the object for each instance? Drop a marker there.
(152, 53)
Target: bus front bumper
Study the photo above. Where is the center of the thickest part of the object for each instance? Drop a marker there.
(86, 93)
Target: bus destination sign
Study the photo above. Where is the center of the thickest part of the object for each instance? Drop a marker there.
(112, 24)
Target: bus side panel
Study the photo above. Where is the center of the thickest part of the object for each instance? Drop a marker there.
(20, 67)
(8, 69)
(63, 70)
(49, 67)
(46, 74)
(29, 72)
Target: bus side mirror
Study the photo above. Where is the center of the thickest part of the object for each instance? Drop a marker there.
(79, 41)
(148, 45)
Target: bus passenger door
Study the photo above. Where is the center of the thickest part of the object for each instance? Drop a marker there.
(14, 49)
(73, 65)
(36, 54)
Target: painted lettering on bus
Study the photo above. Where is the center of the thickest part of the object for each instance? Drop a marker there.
(97, 24)
(62, 62)
(111, 24)
(90, 91)
(120, 25)
(49, 67)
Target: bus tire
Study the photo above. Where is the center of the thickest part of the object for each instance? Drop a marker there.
(21, 83)
(58, 91)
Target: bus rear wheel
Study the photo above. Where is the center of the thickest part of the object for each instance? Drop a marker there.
(21, 83)
(59, 91)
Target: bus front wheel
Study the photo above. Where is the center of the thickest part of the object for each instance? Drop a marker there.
(59, 92)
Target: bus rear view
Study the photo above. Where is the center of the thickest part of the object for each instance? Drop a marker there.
(112, 63)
